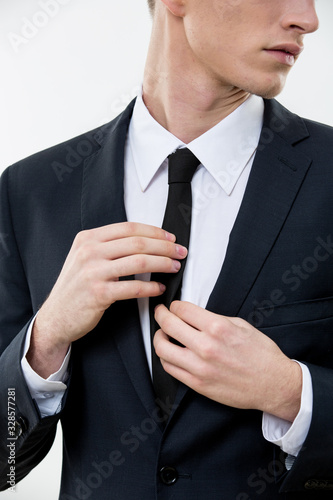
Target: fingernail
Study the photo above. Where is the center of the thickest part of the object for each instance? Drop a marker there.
(170, 236)
(162, 287)
(182, 251)
(176, 265)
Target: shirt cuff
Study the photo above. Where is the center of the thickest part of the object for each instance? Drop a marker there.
(47, 393)
(291, 436)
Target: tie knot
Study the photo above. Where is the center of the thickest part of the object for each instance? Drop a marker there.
(182, 165)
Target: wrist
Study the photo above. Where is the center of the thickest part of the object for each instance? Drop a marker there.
(286, 397)
(46, 352)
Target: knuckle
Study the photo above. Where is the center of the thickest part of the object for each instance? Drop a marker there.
(208, 350)
(84, 252)
(81, 238)
(130, 227)
(123, 229)
(138, 244)
(178, 307)
(166, 323)
(140, 264)
(100, 293)
(202, 377)
(168, 248)
(240, 322)
(215, 328)
(138, 289)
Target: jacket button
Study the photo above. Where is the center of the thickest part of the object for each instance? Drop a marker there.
(20, 427)
(168, 475)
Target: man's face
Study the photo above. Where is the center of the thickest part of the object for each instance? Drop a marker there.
(248, 44)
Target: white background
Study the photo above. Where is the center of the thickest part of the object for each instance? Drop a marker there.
(77, 70)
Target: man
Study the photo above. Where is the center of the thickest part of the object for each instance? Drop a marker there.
(250, 340)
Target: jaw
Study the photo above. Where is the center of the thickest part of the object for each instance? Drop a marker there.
(266, 83)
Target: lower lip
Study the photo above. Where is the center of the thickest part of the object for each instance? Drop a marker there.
(282, 57)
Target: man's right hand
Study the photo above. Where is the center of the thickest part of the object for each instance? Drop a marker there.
(89, 283)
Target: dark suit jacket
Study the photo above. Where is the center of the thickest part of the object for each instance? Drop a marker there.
(278, 274)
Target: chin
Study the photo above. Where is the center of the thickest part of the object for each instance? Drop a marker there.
(267, 88)
(268, 94)
(271, 88)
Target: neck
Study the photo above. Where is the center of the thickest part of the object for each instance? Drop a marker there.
(178, 91)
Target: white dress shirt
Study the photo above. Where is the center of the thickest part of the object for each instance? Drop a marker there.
(226, 153)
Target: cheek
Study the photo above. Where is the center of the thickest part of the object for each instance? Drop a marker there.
(218, 33)
(225, 45)
(211, 43)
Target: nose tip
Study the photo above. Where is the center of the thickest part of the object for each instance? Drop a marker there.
(306, 20)
(313, 22)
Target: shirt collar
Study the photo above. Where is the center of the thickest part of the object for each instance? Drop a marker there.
(224, 150)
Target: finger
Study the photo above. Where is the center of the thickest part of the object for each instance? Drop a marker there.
(140, 264)
(178, 372)
(175, 327)
(141, 245)
(124, 290)
(127, 229)
(196, 316)
(179, 362)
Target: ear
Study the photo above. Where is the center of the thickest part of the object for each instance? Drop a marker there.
(176, 7)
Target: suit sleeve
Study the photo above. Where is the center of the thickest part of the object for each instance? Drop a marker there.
(313, 468)
(33, 436)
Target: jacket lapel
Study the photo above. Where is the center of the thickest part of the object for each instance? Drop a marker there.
(276, 177)
(277, 174)
(103, 176)
(102, 204)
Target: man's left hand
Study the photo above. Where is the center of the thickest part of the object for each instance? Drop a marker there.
(227, 360)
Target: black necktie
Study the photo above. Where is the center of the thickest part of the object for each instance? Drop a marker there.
(177, 220)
